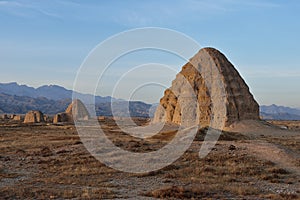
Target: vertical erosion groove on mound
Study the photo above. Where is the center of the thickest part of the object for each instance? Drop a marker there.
(210, 64)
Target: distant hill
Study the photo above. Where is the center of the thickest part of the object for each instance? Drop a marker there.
(279, 116)
(274, 112)
(22, 104)
(52, 92)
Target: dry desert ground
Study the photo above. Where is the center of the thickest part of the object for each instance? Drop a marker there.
(252, 160)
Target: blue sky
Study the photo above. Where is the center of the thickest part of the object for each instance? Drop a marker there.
(45, 42)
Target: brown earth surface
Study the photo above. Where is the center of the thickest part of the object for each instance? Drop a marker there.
(251, 160)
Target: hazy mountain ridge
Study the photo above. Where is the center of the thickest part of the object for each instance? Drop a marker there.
(22, 104)
(125, 109)
(52, 92)
(279, 112)
(279, 116)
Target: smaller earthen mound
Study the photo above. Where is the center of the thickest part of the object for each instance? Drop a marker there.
(75, 111)
(18, 118)
(62, 117)
(101, 118)
(34, 116)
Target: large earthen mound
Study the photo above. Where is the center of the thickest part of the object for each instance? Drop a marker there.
(216, 86)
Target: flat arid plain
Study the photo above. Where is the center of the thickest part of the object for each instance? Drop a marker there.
(252, 160)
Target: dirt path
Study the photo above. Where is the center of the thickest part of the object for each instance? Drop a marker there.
(258, 131)
(268, 151)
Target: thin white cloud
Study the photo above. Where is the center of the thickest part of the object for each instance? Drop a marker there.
(10, 4)
(68, 3)
(259, 4)
(207, 6)
(153, 13)
(26, 9)
(149, 13)
(132, 18)
(133, 13)
(47, 13)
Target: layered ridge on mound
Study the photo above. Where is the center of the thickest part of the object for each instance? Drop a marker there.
(217, 88)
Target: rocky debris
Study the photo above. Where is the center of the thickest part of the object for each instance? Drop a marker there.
(232, 147)
(62, 151)
(34, 116)
(20, 152)
(4, 158)
(75, 111)
(208, 87)
(44, 152)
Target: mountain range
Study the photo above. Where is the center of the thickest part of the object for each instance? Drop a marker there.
(279, 112)
(52, 99)
(52, 92)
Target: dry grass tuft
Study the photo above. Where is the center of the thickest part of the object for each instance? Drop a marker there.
(179, 192)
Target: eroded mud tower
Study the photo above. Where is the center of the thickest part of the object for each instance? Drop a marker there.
(214, 82)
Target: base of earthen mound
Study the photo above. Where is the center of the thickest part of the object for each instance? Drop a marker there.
(258, 129)
(240, 130)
